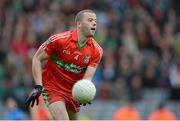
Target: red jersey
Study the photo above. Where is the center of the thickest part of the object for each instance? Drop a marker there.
(68, 62)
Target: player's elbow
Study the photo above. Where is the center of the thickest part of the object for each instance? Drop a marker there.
(36, 58)
(39, 56)
(35, 61)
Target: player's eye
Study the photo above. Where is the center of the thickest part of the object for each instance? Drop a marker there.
(90, 19)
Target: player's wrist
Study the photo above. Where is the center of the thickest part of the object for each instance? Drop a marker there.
(39, 87)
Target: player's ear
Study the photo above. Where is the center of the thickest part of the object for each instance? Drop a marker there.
(78, 23)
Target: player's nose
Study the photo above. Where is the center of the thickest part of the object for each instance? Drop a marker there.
(94, 24)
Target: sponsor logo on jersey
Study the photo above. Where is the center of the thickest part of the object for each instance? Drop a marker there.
(66, 66)
(66, 52)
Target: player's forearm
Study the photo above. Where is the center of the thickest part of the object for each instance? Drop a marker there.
(37, 71)
(89, 73)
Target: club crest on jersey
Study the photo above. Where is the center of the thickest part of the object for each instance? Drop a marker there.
(86, 59)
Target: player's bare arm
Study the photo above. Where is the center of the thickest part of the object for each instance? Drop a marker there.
(90, 72)
(39, 56)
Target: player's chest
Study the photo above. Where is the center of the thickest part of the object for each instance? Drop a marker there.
(72, 54)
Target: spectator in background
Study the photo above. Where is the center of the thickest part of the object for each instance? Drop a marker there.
(174, 72)
(120, 89)
(150, 70)
(12, 111)
(162, 113)
(136, 87)
(105, 90)
(127, 112)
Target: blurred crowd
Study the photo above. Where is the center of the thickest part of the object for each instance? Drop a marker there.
(140, 39)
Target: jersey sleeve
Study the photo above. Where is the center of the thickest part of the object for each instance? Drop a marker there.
(96, 58)
(55, 42)
(52, 45)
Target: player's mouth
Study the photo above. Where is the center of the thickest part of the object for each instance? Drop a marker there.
(93, 29)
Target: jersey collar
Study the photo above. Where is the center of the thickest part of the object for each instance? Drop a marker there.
(75, 37)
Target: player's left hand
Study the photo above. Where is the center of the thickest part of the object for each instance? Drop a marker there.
(85, 103)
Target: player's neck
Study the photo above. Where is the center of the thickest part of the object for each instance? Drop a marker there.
(81, 37)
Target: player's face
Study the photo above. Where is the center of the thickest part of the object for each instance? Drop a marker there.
(88, 24)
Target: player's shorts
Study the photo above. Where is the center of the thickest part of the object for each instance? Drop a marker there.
(51, 96)
(57, 89)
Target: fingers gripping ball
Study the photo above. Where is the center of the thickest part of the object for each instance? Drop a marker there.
(84, 91)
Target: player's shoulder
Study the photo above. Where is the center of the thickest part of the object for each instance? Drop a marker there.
(97, 46)
(60, 36)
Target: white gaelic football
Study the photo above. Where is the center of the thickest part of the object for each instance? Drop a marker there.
(84, 91)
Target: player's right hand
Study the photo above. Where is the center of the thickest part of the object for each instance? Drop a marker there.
(34, 96)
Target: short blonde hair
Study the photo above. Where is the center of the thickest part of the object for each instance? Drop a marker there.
(80, 14)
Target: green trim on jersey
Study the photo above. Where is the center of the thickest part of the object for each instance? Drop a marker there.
(66, 66)
(45, 96)
(81, 45)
